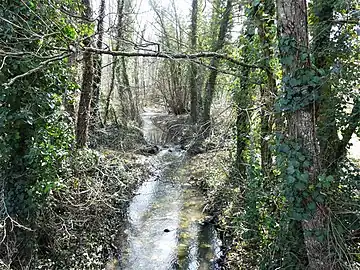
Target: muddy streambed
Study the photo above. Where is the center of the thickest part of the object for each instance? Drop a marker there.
(164, 229)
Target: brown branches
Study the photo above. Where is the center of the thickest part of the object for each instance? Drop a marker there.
(173, 56)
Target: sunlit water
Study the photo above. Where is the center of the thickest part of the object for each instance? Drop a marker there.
(164, 228)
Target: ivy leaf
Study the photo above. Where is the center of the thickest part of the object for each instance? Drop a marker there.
(291, 179)
(294, 82)
(290, 169)
(297, 216)
(304, 177)
(288, 60)
(300, 186)
(311, 206)
(301, 157)
(320, 199)
(306, 164)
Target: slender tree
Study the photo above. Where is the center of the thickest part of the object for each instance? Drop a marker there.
(115, 64)
(218, 44)
(193, 67)
(86, 87)
(95, 101)
(264, 19)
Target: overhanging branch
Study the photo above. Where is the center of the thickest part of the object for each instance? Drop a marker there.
(173, 56)
(39, 67)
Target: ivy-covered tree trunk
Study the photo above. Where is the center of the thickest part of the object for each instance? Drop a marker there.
(217, 46)
(294, 43)
(86, 88)
(333, 148)
(265, 22)
(95, 101)
(193, 67)
(243, 100)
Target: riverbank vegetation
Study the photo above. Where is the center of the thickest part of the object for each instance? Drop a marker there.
(266, 97)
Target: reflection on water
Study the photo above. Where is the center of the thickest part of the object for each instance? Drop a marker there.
(164, 230)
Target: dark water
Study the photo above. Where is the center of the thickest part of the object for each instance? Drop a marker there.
(164, 229)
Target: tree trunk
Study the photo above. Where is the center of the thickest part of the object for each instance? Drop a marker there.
(332, 148)
(86, 88)
(95, 102)
(111, 90)
(210, 85)
(268, 93)
(293, 45)
(127, 90)
(243, 100)
(209, 93)
(119, 34)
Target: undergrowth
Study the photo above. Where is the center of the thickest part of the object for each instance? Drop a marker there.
(255, 223)
(80, 223)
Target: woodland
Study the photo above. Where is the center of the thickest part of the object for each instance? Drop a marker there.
(268, 96)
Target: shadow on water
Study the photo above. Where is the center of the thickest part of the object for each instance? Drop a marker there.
(164, 229)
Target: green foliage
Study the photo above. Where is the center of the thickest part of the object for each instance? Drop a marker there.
(267, 219)
(35, 139)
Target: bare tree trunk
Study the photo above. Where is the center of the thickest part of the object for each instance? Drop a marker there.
(292, 17)
(193, 67)
(111, 90)
(137, 88)
(210, 85)
(120, 14)
(127, 90)
(86, 88)
(95, 102)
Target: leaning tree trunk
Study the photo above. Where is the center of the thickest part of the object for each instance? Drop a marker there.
(293, 45)
(210, 85)
(86, 88)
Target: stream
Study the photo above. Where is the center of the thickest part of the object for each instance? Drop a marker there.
(164, 229)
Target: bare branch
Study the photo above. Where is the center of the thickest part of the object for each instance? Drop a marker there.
(41, 65)
(172, 56)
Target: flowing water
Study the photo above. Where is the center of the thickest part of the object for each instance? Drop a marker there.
(164, 228)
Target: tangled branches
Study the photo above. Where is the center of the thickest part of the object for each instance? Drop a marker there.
(79, 226)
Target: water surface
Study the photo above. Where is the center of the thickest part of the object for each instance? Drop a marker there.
(164, 229)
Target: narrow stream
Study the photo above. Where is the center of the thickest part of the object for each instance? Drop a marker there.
(164, 228)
